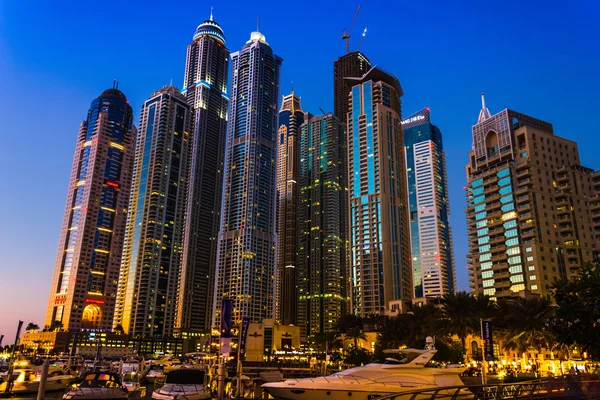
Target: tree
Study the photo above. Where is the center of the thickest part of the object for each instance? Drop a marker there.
(525, 323)
(56, 326)
(31, 327)
(578, 310)
(461, 314)
(395, 332)
(356, 334)
(358, 356)
(349, 321)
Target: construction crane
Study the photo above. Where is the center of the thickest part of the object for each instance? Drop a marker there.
(362, 38)
(346, 33)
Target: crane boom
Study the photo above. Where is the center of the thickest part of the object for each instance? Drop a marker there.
(346, 33)
(362, 37)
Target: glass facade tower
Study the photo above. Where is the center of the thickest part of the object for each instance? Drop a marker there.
(323, 276)
(247, 239)
(205, 86)
(291, 117)
(87, 266)
(379, 224)
(153, 251)
(431, 238)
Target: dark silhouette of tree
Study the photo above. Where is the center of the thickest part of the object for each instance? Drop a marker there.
(578, 310)
(356, 334)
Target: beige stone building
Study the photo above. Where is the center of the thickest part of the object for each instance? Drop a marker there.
(533, 212)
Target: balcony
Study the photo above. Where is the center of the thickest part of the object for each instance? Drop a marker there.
(523, 182)
(595, 205)
(524, 207)
(497, 248)
(498, 239)
(490, 189)
(529, 233)
(500, 266)
(523, 172)
(525, 215)
(564, 187)
(523, 198)
(522, 189)
(502, 284)
(502, 275)
(562, 176)
(562, 210)
(565, 228)
(498, 257)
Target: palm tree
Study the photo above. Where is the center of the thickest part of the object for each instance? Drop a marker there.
(394, 332)
(57, 326)
(356, 334)
(119, 329)
(424, 321)
(31, 327)
(461, 314)
(524, 323)
(349, 321)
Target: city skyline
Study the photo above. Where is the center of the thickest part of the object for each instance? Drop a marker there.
(498, 100)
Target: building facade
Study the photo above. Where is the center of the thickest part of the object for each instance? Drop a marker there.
(247, 239)
(291, 117)
(205, 86)
(351, 65)
(431, 238)
(379, 224)
(153, 250)
(323, 276)
(530, 206)
(84, 285)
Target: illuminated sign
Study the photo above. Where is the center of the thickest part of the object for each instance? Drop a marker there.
(413, 119)
(112, 184)
(418, 118)
(94, 301)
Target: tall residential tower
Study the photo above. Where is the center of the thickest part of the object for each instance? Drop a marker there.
(153, 251)
(530, 206)
(431, 239)
(323, 276)
(87, 266)
(247, 239)
(379, 223)
(205, 85)
(291, 117)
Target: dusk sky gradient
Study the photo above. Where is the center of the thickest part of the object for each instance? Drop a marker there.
(541, 58)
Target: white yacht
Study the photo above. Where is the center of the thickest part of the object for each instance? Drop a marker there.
(98, 385)
(372, 380)
(27, 380)
(186, 383)
(155, 373)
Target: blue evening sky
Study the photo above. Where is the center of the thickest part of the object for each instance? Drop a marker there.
(538, 57)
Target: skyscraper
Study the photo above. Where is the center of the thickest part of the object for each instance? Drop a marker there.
(431, 238)
(529, 206)
(323, 276)
(153, 251)
(86, 272)
(291, 117)
(246, 249)
(205, 85)
(379, 224)
(351, 65)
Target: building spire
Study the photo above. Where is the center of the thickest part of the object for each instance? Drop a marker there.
(258, 24)
(211, 13)
(484, 113)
